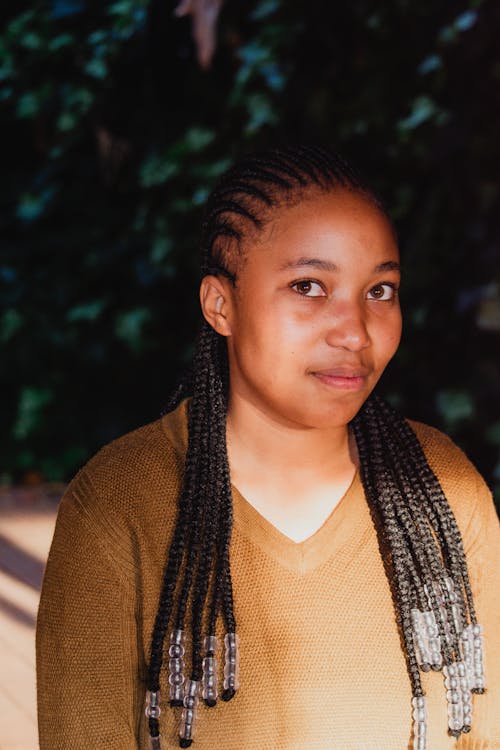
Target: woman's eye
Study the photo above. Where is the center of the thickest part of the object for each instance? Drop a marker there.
(383, 292)
(308, 288)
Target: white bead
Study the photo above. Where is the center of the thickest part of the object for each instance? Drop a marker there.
(421, 728)
(176, 650)
(211, 643)
(176, 678)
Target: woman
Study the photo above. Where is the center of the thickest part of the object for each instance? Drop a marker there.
(339, 526)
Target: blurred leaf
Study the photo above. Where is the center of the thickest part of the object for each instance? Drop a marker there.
(429, 64)
(129, 327)
(261, 112)
(10, 322)
(156, 170)
(18, 25)
(6, 68)
(161, 248)
(423, 109)
(31, 40)
(97, 37)
(200, 195)
(196, 139)
(121, 8)
(32, 205)
(455, 406)
(28, 104)
(61, 41)
(88, 311)
(96, 68)
(264, 9)
(32, 402)
(78, 99)
(67, 121)
(463, 22)
(211, 170)
(273, 76)
(466, 20)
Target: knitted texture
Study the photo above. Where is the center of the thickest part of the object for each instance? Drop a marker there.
(321, 659)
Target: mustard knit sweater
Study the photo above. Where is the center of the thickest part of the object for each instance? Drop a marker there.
(321, 661)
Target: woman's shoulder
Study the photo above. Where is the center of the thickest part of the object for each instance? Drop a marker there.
(439, 447)
(465, 489)
(135, 474)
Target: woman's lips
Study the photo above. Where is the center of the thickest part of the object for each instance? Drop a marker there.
(343, 378)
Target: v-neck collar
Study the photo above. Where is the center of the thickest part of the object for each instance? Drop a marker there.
(347, 522)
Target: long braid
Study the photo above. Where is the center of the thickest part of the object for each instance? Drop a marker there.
(426, 564)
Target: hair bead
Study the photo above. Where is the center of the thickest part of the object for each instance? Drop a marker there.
(231, 665)
(153, 712)
(189, 713)
(176, 677)
(153, 709)
(454, 699)
(421, 639)
(479, 682)
(419, 715)
(210, 671)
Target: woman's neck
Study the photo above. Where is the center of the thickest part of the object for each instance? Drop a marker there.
(259, 443)
(294, 477)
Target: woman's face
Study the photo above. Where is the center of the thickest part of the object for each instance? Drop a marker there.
(315, 317)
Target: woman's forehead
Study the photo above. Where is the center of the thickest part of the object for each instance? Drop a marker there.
(328, 224)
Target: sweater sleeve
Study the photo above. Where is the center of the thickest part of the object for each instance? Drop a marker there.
(482, 545)
(86, 639)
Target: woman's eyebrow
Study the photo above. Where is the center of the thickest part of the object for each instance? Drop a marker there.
(319, 263)
(327, 265)
(388, 265)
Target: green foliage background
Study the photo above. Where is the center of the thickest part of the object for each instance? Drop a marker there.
(113, 137)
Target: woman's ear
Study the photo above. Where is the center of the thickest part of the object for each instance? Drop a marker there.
(215, 300)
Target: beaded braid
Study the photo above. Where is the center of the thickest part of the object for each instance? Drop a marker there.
(425, 564)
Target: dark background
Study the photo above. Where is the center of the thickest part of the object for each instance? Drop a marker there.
(112, 136)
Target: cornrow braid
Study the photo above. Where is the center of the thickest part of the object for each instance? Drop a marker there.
(425, 560)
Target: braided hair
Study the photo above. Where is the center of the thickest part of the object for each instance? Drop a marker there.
(425, 560)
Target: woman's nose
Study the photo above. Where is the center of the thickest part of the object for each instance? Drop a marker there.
(346, 326)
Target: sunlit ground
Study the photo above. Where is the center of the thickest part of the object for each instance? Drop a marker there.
(27, 520)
